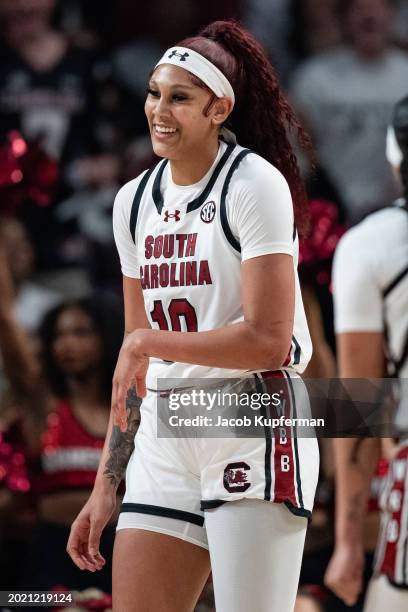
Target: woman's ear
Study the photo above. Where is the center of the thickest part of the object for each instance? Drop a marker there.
(221, 110)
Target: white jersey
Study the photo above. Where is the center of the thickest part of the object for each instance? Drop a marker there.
(371, 289)
(370, 279)
(187, 243)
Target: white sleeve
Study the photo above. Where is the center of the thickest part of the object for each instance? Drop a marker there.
(356, 290)
(260, 210)
(121, 219)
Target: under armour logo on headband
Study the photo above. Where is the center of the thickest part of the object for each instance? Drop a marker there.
(201, 67)
(182, 56)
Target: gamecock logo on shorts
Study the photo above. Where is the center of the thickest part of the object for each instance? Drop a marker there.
(207, 213)
(236, 478)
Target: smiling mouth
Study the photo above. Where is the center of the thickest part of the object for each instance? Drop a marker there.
(162, 129)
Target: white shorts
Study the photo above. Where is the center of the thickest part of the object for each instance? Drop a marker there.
(171, 482)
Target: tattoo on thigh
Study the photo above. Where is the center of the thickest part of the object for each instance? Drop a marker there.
(121, 443)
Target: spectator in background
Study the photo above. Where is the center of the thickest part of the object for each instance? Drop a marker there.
(345, 98)
(31, 300)
(270, 21)
(48, 91)
(315, 27)
(85, 24)
(61, 401)
(45, 84)
(291, 30)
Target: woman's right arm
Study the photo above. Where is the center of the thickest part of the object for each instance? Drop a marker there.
(83, 543)
(360, 339)
(360, 355)
(118, 444)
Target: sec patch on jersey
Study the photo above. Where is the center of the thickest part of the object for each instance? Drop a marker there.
(208, 211)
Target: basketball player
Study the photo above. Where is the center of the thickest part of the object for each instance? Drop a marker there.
(208, 245)
(371, 312)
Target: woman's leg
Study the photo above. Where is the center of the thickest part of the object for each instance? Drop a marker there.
(154, 572)
(256, 551)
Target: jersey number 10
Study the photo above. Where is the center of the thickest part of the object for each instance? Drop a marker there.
(177, 308)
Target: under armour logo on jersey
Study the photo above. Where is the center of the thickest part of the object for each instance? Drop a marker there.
(207, 213)
(168, 215)
(182, 56)
(235, 478)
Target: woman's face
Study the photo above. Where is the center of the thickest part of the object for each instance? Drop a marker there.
(77, 345)
(174, 110)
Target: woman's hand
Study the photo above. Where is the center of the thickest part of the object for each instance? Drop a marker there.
(86, 530)
(131, 369)
(344, 574)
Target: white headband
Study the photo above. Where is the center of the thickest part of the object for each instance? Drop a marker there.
(393, 152)
(201, 67)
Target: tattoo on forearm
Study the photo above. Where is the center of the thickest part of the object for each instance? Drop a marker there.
(122, 443)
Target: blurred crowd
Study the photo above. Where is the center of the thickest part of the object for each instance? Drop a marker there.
(73, 77)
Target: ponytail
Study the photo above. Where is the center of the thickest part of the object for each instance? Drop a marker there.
(262, 116)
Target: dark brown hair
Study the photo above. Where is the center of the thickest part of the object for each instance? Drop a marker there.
(262, 117)
(107, 321)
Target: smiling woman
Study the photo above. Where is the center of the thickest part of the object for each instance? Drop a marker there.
(177, 112)
(208, 245)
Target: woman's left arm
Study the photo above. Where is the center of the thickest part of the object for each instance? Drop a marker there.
(261, 341)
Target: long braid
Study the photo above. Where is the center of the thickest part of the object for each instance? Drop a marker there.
(262, 117)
